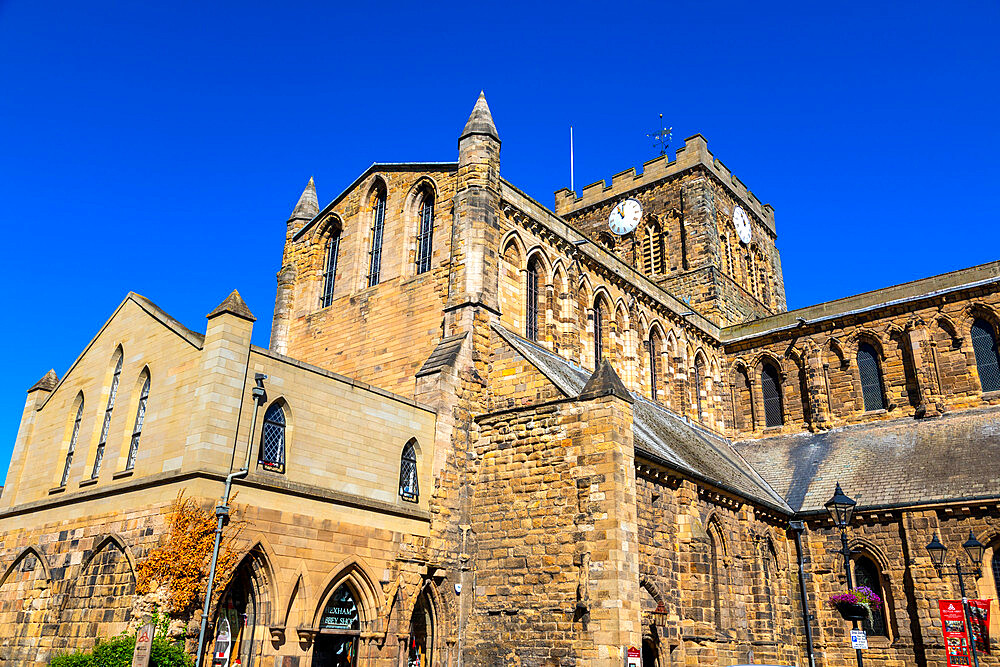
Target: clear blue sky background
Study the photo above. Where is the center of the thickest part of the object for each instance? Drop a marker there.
(159, 147)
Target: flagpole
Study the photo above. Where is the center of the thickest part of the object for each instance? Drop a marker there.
(571, 187)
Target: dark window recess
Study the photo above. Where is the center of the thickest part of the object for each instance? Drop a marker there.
(770, 385)
(140, 417)
(531, 311)
(378, 224)
(72, 444)
(871, 378)
(699, 373)
(272, 440)
(654, 371)
(330, 269)
(984, 343)
(597, 334)
(425, 239)
(866, 574)
(408, 486)
(107, 418)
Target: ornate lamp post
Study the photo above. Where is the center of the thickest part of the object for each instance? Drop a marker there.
(974, 550)
(841, 508)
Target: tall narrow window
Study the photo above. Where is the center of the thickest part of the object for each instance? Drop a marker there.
(866, 573)
(984, 344)
(378, 224)
(531, 305)
(770, 384)
(715, 574)
(140, 416)
(425, 239)
(699, 373)
(272, 439)
(871, 378)
(598, 325)
(330, 268)
(654, 366)
(72, 444)
(107, 418)
(408, 485)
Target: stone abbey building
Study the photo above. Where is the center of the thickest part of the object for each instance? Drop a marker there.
(494, 433)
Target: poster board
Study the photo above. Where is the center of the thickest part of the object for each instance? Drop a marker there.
(143, 645)
(956, 637)
(633, 657)
(980, 612)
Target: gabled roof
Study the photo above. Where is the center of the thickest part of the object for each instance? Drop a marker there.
(661, 436)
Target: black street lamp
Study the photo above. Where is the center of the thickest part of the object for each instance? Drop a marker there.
(974, 550)
(841, 508)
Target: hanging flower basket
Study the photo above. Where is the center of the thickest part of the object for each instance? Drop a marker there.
(856, 604)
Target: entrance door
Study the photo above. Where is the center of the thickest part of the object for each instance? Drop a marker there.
(335, 651)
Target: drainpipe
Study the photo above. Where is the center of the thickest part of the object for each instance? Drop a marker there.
(222, 511)
(797, 527)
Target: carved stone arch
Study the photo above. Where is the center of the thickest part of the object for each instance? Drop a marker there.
(670, 342)
(654, 591)
(739, 365)
(117, 541)
(369, 596)
(868, 548)
(559, 274)
(332, 224)
(585, 286)
(111, 541)
(713, 524)
(539, 252)
(28, 551)
(950, 328)
(423, 185)
(379, 184)
(602, 295)
(622, 316)
(699, 354)
(656, 327)
(980, 309)
(512, 248)
(261, 550)
(870, 336)
(835, 347)
(299, 593)
(765, 357)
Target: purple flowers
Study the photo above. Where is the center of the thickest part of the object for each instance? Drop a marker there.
(861, 595)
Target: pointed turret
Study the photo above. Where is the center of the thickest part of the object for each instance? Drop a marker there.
(605, 382)
(480, 120)
(308, 205)
(47, 383)
(233, 304)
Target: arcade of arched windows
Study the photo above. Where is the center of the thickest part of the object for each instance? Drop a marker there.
(747, 265)
(541, 300)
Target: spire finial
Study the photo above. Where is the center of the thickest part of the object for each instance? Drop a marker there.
(480, 120)
(308, 205)
(235, 305)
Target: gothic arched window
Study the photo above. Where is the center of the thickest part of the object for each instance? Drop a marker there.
(598, 333)
(531, 304)
(425, 238)
(984, 344)
(699, 374)
(271, 455)
(408, 485)
(112, 394)
(140, 417)
(770, 384)
(378, 225)
(866, 573)
(652, 250)
(654, 365)
(330, 268)
(72, 443)
(871, 378)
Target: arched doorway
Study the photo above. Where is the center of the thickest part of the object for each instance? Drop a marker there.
(339, 627)
(421, 641)
(650, 657)
(235, 622)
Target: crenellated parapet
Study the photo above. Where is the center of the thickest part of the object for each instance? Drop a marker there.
(693, 153)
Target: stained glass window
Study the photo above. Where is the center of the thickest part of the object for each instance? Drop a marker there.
(72, 444)
(871, 378)
(425, 239)
(341, 612)
(770, 384)
(107, 417)
(531, 314)
(378, 224)
(140, 416)
(984, 343)
(654, 366)
(272, 439)
(408, 484)
(598, 324)
(330, 268)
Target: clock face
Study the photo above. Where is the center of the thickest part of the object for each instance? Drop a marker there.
(625, 217)
(742, 224)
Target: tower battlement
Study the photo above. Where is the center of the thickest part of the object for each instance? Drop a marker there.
(694, 152)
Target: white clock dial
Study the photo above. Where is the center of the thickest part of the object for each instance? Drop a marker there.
(742, 224)
(625, 216)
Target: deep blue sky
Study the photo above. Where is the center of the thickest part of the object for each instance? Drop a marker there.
(160, 148)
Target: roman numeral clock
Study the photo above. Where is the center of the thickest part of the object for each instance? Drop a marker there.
(625, 217)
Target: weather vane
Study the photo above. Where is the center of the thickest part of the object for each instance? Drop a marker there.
(661, 139)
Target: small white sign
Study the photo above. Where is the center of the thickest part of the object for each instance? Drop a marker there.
(859, 639)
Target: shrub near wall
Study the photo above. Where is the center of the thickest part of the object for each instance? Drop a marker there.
(117, 652)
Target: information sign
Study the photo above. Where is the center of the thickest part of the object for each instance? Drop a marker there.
(980, 612)
(633, 657)
(956, 638)
(143, 645)
(859, 639)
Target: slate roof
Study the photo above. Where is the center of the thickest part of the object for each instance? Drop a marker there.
(902, 462)
(444, 354)
(660, 435)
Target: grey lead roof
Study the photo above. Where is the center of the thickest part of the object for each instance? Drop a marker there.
(659, 434)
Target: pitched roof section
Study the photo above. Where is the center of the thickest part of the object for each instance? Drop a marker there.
(233, 304)
(47, 383)
(660, 435)
(605, 382)
(308, 205)
(444, 354)
(480, 120)
(902, 462)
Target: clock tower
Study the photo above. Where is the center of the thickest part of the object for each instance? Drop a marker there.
(691, 227)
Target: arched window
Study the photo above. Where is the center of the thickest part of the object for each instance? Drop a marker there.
(342, 623)
(107, 416)
(140, 416)
(984, 344)
(871, 378)
(654, 365)
(995, 562)
(238, 617)
(598, 333)
(715, 573)
(272, 439)
(770, 384)
(425, 238)
(72, 443)
(421, 633)
(652, 250)
(408, 485)
(531, 305)
(330, 268)
(768, 566)
(699, 373)
(866, 573)
(378, 224)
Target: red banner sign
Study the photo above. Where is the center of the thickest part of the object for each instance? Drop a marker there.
(956, 635)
